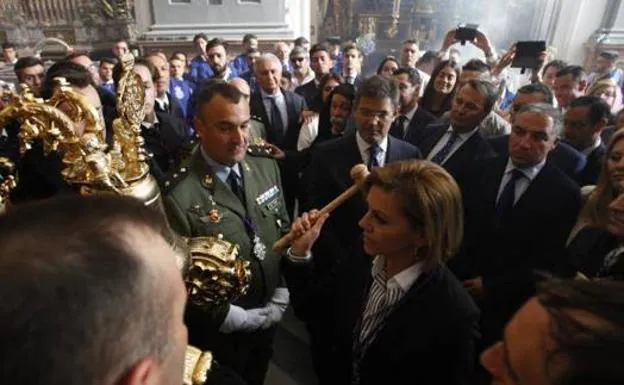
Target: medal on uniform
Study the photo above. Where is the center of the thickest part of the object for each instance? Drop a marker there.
(214, 215)
(259, 248)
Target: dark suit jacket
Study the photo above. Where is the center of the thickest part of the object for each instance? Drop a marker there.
(326, 177)
(174, 108)
(434, 326)
(564, 156)
(591, 172)
(109, 110)
(165, 143)
(461, 163)
(294, 106)
(506, 255)
(586, 254)
(415, 129)
(309, 92)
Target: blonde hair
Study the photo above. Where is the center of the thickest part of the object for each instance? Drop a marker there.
(431, 203)
(595, 211)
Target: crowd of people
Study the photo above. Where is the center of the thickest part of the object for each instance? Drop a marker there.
(486, 243)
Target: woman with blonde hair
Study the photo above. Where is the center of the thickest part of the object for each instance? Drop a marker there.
(608, 90)
(599, 239)
(393, 310)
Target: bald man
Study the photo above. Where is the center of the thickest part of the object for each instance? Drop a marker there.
(257, 132)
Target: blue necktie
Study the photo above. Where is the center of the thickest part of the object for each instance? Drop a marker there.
(373, 151)
(446, 150)
(233, 182)
(508, 196)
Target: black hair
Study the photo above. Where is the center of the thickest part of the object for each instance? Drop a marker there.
(538, 88)
(412, 74)
(598, 108)
(476, 65)
(384, 61)
(558, 64)
(577, 72)
(215, 43)
(428, 95)
(200, 36)
(109, 60)
(75, 74)
(378, 87)
(249, 37)
(26, 62)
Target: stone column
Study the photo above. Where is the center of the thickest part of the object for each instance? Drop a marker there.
(609, 35)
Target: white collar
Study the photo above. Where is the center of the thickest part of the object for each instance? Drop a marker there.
(403, 280)
(276, 95)
(149, 125)
(529, 172)
(363, 146)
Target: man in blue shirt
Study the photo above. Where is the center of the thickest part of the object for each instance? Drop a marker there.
(200, 69)
(241, 62)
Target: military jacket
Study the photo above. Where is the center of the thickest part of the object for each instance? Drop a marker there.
(198, 203)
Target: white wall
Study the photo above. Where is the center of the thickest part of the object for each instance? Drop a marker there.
(578, 20)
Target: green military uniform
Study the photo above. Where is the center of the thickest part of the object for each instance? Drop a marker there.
(194, 192)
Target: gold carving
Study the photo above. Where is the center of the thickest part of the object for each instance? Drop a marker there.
(197, 366)
(215, 274)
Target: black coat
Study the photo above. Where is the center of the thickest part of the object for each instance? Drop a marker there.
(327, 176)
(591, 172)
(586, 254)
(564, 156)
(294, 106)
(416, 127)
(165, 144)
(309, 92)
(174, 109)
(506, 255)
(463, 161)
(428, 338)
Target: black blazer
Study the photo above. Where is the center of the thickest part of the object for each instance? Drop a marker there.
(294, 106)
(533, 238)
(309, 92)
(165, 143)
(587, 252)
(428, 338)
(460, 164)
(564, 156)
(591, 172)
(174, 108)
(327, 176)
(421, 119)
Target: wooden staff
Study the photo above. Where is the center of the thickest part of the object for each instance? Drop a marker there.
(359, 173)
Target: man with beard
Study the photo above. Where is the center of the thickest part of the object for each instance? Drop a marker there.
(321, 63)
(217, 55)
(300, 63)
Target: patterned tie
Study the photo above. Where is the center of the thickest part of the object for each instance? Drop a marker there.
(373, 151)
(508, 196)
(235, 186)
(446, 150)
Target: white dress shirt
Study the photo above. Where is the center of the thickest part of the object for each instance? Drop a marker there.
(163, 102)
(310, 76)
(365, 152)
(522, 184)
(445, 138)
(409, 115)
(591, 148)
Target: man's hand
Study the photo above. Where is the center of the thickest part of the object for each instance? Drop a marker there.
(482, 42)
(307, 116)
(505, 61)
(275, 152)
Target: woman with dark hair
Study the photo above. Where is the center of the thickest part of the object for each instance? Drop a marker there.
(335, 114)
(441, 89)
(392, 310)
(309, 129)
(388, 66)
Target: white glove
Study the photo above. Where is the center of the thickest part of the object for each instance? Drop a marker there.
(276, 307)
(239, 319)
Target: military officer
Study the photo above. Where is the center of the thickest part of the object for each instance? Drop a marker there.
(228, 189)
(257, 130)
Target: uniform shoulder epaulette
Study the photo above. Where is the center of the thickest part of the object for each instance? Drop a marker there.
(259, 150)
(173, 178)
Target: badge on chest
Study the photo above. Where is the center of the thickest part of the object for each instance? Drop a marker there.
(269, 198)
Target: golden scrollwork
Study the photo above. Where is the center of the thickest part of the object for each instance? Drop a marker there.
(7, 181)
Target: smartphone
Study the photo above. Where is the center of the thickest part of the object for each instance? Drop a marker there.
(466, 32)
(527, 54)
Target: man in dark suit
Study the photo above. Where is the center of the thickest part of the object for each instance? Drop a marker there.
(584, 121)
(281, 110)
(412, 120)
(328, 173)
(321, 63)
(564, 156)
(519, 212)
(457, 145)
(352, 69)
(164, 101)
